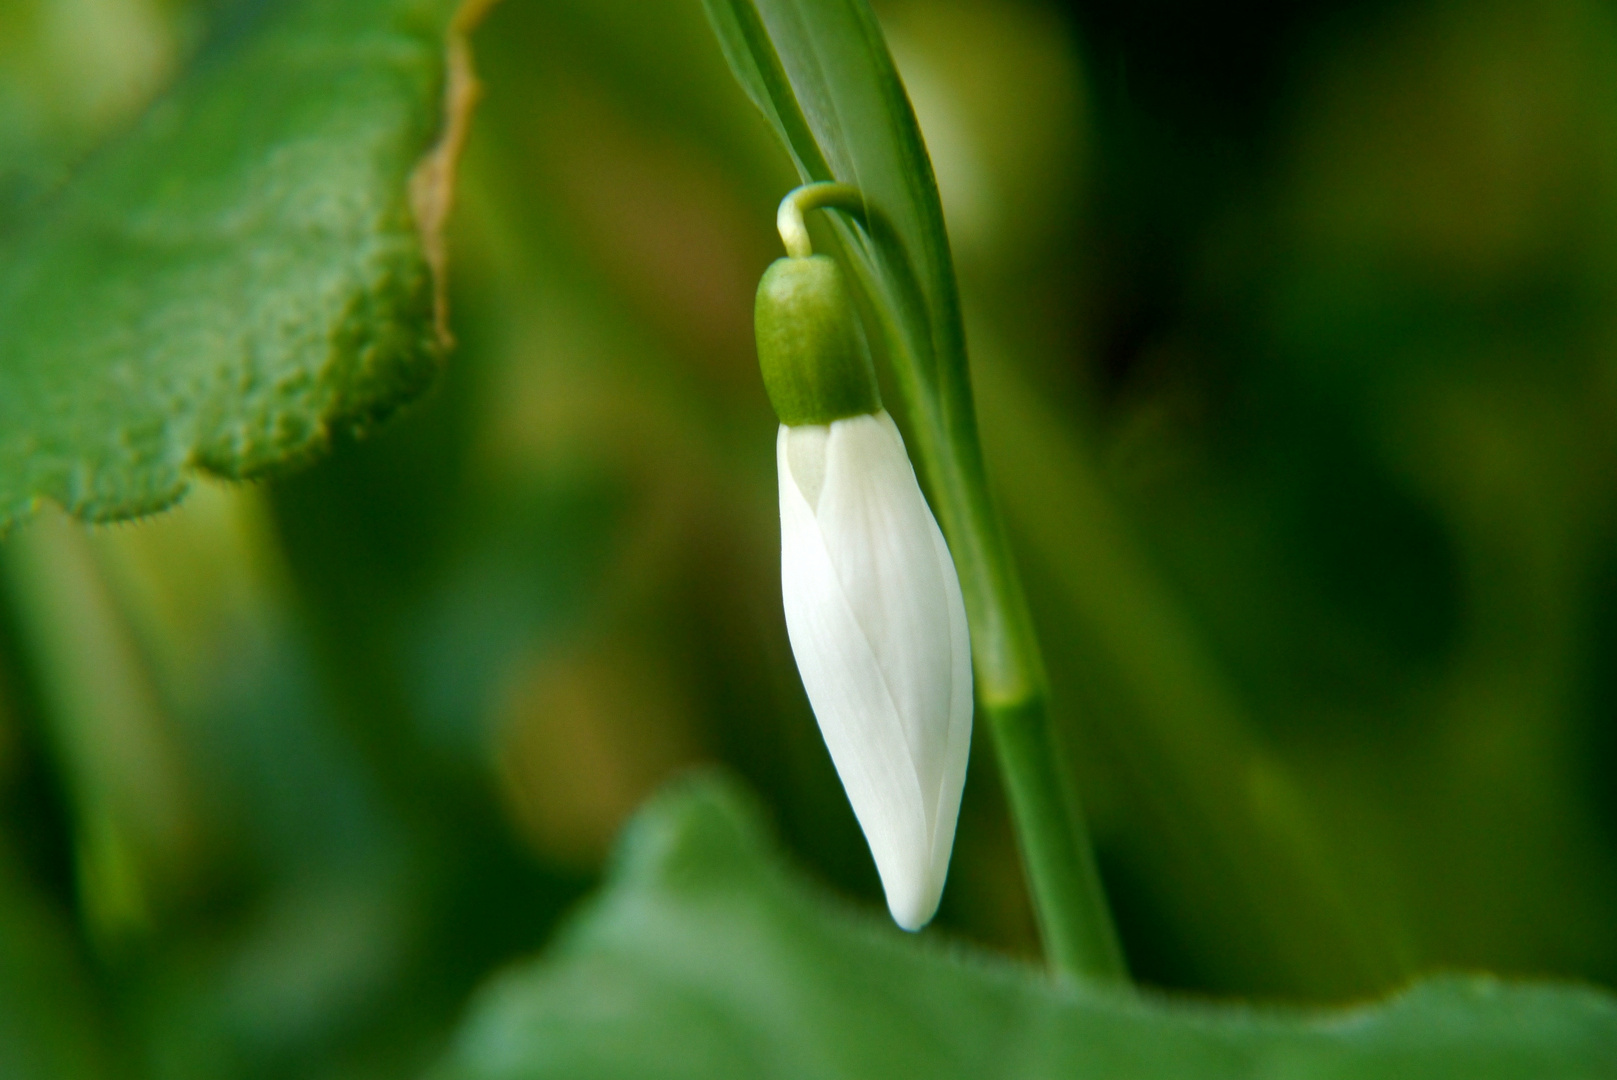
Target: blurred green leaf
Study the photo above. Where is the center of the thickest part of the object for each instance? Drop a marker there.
(245, 270)
(49, 1029)
(1219, 811)
(69, 76)
(707, 958)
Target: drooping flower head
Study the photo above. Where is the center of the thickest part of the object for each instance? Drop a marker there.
(873, 603)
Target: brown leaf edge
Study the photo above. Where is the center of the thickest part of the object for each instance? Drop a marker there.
(432, 185)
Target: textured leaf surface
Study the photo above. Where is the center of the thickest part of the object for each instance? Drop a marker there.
(705, 958)
(245, 269)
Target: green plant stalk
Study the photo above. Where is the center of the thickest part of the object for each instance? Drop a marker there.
(1075, 922)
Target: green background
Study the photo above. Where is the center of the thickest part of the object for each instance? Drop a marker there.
(1295, 344)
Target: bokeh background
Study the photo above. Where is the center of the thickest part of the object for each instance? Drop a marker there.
(1294, 330)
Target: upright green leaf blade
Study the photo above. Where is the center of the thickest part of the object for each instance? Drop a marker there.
(245, 270)
(757, 67)
(705, 958)
(822, 76)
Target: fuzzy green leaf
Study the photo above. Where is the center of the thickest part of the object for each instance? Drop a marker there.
(707, 958)
(243, 271)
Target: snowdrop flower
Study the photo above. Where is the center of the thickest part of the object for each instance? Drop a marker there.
(873, 603)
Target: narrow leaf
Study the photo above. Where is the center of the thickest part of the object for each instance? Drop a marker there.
(820, 72)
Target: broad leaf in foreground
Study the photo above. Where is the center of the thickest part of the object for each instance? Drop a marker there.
(705, 957)
(248, 268)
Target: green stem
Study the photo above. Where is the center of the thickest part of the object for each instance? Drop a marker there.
(799, 201)
(1075, 923)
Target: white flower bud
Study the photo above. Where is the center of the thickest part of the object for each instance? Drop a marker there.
(878, 626)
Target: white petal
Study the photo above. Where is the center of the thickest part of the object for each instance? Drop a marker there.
(878, 627)
(877, 530)
(958, 741)
(856, 714)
